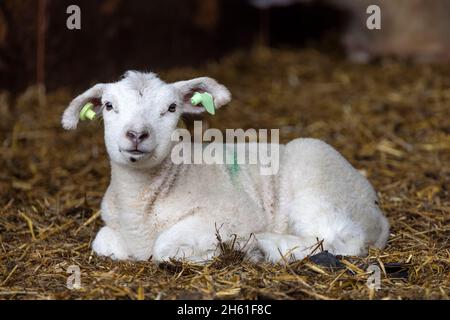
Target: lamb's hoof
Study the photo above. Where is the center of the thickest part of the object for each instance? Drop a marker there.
(168, 253)
(327, 259)
(109, 244)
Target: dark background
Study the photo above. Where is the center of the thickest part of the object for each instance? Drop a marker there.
(119, 35)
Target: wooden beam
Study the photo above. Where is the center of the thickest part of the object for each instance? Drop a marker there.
(41, 42)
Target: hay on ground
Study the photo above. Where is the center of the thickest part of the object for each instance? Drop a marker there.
(390, 119)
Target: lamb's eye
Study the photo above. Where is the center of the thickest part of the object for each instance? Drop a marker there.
(173, 107)
(108, 106)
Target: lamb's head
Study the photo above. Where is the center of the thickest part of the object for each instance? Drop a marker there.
(141, 112)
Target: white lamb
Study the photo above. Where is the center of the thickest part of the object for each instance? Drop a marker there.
(155, 208)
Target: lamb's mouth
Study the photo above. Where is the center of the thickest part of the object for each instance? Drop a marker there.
(135, 154)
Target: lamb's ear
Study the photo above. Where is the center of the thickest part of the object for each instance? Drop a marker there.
(71, 115)
(187, 88)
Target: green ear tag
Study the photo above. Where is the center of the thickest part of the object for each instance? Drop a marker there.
(87, 113)
(206, 100)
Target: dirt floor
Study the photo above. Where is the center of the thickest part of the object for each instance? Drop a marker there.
(390, 119)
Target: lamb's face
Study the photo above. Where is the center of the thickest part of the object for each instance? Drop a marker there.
(141, 112)
(139, 122)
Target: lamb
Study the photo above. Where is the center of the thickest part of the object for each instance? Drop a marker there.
(156, 209)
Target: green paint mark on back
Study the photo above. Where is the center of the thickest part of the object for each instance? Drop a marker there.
(235, 168)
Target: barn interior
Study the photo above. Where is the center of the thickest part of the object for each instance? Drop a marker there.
(291, 66)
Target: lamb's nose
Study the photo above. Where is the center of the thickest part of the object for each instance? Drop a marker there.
(137, 137)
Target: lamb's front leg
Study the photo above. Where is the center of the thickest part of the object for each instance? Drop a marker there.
(109, 243)
(193, 239)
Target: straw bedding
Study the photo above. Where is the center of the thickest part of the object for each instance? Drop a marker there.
(391, 120)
